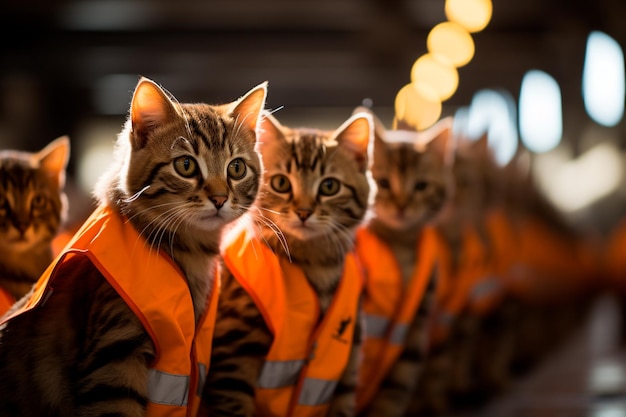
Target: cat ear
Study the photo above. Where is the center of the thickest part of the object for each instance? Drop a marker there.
(270, 129)
(53, 159)
(379, 127)
(480, 147)
(355, 134)
(247, 110)
(150, 107)
(442, 141)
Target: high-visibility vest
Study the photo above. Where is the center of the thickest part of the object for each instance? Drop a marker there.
(156, 291)
(549, 269)
(470, 284)
(307, 357)
(388, 305)
(505, 252)
(6, 301)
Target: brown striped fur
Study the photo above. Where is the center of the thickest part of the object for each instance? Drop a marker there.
(84, 352)
(314, 231)
(413, 184)
(449, 371)
(33, 206)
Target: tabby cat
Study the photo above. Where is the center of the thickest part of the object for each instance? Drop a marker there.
(412, 175)
(181, 172)
(315, 194)
(33, 206)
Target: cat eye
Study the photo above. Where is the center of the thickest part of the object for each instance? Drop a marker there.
(38, 202)
(420, 185)
(185, 166)
(236, 169)
(330, 186)
(280, 183)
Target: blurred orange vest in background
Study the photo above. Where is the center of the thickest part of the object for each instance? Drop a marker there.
(389, 305)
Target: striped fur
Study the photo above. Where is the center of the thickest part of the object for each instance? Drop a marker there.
(84, 352)
(413, 184)
(313, 230)
(32, 209)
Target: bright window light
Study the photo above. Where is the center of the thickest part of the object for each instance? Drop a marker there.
(603, 79)
(493, 112)
(540, 112)
(574, 184)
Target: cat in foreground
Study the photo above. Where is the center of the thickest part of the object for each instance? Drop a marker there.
(126, 329)
(33, 206)
(291, 294)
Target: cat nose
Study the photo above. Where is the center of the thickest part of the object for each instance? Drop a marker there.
(21, 226)
(304, 214)
(218, 200)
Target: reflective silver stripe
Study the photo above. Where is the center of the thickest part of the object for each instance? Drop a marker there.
(375, 326)
(485, 287)
(168, 389)
(278, 374)
(398, 333)
(316, 391)
(201, 378)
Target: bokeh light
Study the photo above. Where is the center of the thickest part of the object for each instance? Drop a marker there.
(603, 79)
(417, 105)
(540, 112)
(493, 112)
(452, 41)
(473, 15)
(438, 74)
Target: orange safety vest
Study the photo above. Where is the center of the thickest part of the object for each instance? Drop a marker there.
(307, 357)
(614, 259)
(157, 292)
(489, 287)
(549, 269)
(388, 305)
(6, 301)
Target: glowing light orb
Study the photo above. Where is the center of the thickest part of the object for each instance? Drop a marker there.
(603, 79)
(452, 41)
(417, 105)
(438, 74)
(473, 15)
(540, 112)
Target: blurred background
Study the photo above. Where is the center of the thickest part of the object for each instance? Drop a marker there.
(69, 67)
(547, 75)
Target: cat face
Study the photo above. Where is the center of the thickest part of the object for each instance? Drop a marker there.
(411, 174)
(315, 182)
(32, 203)
(186, 167)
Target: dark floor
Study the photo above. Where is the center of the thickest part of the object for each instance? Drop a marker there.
(584, 378)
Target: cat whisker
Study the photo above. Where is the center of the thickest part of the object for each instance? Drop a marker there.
(273, 227)
(275, 110)
(270, 210)
(136, 195)
(140, 212)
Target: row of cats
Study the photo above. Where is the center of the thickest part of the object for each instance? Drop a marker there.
(237, 267)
